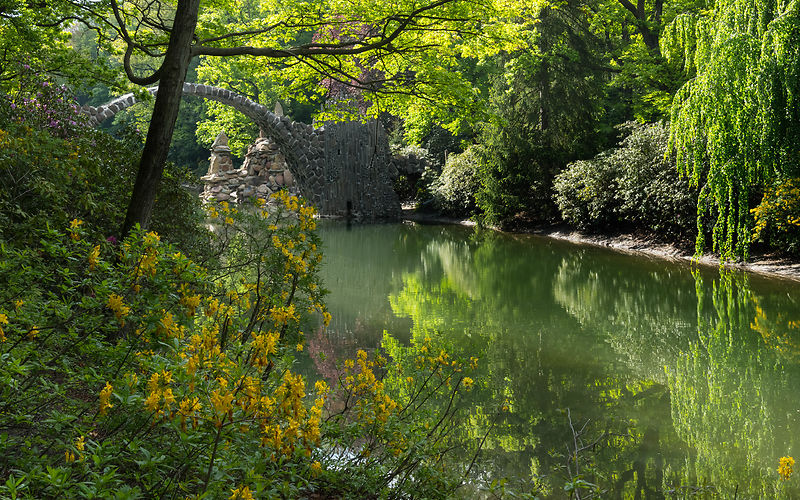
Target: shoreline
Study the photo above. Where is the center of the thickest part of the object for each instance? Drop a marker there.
(764, 265)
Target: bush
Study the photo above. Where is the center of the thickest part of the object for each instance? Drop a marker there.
(128, 368)
(455, 188)
(634, 186)
(654, 196)
(587, 193)
(130, 371)
(54, 168)
(777, 222)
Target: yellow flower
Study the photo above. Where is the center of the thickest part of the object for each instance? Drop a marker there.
(467, 383)
(80, 443)
(18, 304)
(119, 308)
(73, 229)
(3, 321)
(169, 398)
(241, 493)
(299, 347)
(105, 396)
(786, 468)
(191, 302)
(316, 468)
(94, 254)
(69, 457)
(34, 331)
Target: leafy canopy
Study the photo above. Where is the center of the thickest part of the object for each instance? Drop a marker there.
(736, 122)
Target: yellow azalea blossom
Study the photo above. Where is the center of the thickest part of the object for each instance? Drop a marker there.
(169, 398)
(80, 443)
(223, 403)
(191, 302)
(73, 229)
(241, 493)
(3, 321)
(786, 468)
(151, 238)
(212, 307)
(151, 403)
(94, 255)
(116, 304)
(105, 396)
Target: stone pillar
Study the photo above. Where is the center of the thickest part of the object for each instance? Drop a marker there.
(264, 171)
(220, 160)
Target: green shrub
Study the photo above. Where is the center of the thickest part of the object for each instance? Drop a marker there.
(55, 168)
(634, 186)
(587, 193)
(654, 196)
(455, 188)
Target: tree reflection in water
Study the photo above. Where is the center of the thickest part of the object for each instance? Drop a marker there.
(686, 375)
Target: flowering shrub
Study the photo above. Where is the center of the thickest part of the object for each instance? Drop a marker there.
(54, 174)
(129, 370)
(786, 468)
(44, 105)
(777, 217)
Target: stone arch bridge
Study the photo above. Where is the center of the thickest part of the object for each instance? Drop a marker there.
(342, 168)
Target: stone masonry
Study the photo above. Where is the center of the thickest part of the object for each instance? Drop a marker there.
(342, 168)
(264, 171)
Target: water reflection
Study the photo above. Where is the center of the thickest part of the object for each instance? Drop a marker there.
(685, 377)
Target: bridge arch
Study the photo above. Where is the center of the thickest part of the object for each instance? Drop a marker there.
(341, 168)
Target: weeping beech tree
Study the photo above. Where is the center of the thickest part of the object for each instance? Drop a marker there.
(736, 122)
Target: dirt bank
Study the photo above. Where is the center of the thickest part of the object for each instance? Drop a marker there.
(767, 264)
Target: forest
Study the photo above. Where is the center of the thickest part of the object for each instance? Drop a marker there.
(150, 344)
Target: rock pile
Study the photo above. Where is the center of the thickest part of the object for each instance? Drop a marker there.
(264, 171)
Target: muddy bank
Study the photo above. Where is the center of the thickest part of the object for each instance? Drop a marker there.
(764, 264)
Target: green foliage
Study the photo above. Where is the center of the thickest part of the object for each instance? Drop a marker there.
(455, 188)
(734, 124)
(56, 168)
(587, 193)
(33, 42)
(632, 186)
(546, 104)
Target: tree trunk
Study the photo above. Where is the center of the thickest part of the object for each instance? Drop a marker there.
(172, 75)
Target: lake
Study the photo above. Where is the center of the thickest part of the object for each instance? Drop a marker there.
(678, 380)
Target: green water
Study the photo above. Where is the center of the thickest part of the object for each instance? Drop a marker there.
(693, 375)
